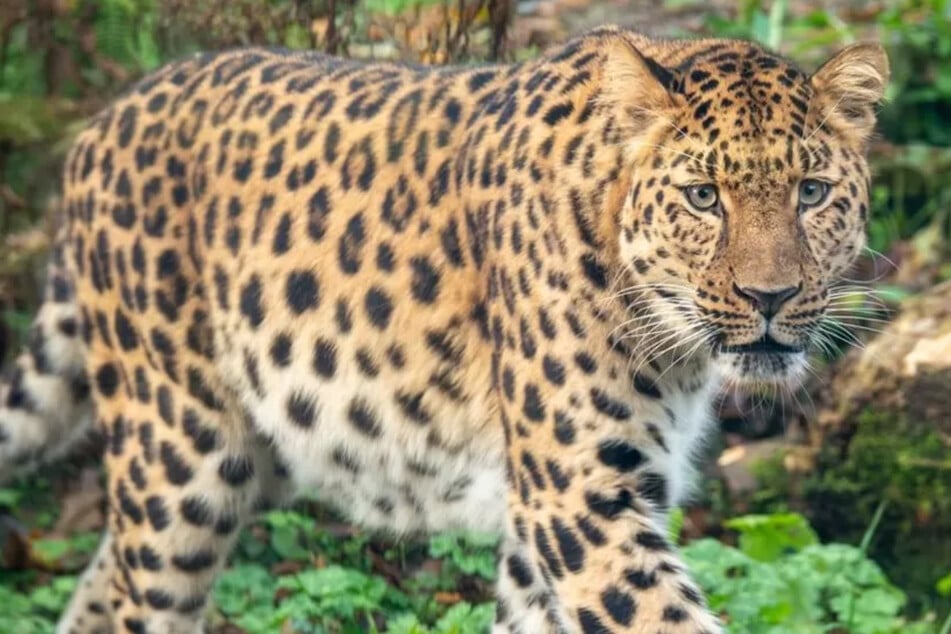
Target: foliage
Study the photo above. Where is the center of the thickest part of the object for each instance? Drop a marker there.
(469, 553)
(809, 591)
(32, 611)
(293, 574)
(889, 461)
(462, 618)
(782, 581)
(34, 497)
(345, 592)
(348, 595)
(944, 585)
(323, 599)
(918, 35)
(904, 464)
(245, 593)
(768, 537)
(67, 553)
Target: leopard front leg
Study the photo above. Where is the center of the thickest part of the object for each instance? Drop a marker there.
(600, 570)
(585, 547)
(88, 610)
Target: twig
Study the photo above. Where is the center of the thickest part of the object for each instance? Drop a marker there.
(330, 38)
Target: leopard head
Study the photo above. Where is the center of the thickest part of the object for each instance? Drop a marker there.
(749, 193)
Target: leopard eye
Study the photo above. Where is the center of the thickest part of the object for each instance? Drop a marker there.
(812, 192)
(702, 197)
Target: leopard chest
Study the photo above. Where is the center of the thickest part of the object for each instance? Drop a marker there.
(688, 423)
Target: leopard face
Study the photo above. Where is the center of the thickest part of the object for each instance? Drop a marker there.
(748, 200)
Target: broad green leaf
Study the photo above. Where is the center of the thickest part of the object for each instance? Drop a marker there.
(944, 585)
(766, 537)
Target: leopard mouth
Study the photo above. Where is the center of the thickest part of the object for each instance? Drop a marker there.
(764, 345)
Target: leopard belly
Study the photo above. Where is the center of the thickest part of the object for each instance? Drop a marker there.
(396, 476)
(404, 480)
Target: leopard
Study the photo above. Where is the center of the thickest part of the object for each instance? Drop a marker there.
(496, 297)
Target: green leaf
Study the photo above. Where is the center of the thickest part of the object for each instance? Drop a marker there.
(767, 537)
(340, 594)
(760, 27)
(50, 550)
(797, 589)
(242, 587)
(65, 553)
(675, 524)
(406, 624)
(54, 597)
(10, 497)
(464, 618)
(472, 553)
(296, 36)
(285, 541)
(944, 585)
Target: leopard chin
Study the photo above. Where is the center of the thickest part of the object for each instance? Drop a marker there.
(780, 369)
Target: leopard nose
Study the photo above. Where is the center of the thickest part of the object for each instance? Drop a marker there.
(768, 302)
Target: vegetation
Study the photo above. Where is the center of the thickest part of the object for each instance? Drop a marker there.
(827, 545)
(294, 571)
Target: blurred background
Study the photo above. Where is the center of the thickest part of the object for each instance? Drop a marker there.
(824, 510)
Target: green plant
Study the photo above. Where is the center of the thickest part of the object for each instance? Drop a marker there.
(469, 553)
(245, 593)
(348, 595)
(67, 553)
(780, 580)
(767, 537)
(33, 611)
(125, 31)
(337, 597)
(754, 20)
(290, 534)
(462, 618)
(396, 7)
(918, 35)
(943, 586)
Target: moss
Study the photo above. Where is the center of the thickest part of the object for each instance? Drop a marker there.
(890, 459)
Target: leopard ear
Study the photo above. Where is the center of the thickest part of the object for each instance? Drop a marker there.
(635, 86)
(849, 86)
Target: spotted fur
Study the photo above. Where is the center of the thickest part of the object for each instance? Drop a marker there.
(492, 298)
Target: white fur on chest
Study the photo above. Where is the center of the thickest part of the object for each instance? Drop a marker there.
(692, 413)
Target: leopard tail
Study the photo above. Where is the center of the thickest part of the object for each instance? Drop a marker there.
(45, 408)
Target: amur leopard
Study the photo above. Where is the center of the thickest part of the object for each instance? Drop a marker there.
(493, 297)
